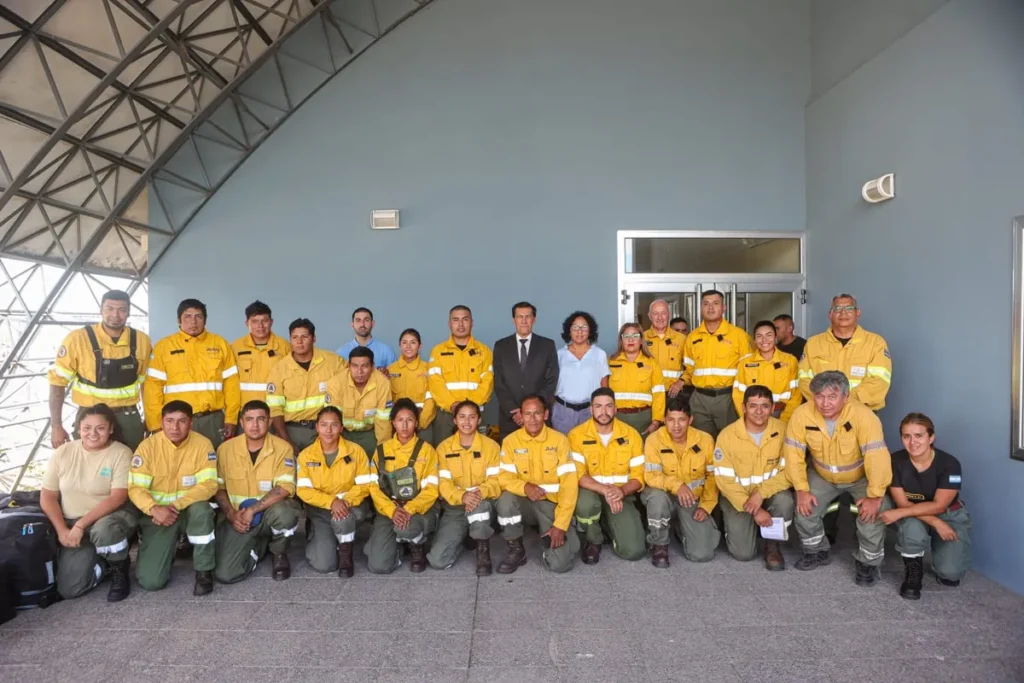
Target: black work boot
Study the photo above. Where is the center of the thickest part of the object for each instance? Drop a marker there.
(417, 558)
(204, 583)
(949, 583)
(483, 558)
(866, 574)
(183, 551)
(913, 572)
(659, 556)
(515, 558)
(282, 568)
(120, 584)
(345, 566)
(813, 560)
(591, 552)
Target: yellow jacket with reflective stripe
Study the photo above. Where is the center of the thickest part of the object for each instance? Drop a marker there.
(254, 364)
(668, 351)
(462, 469)
(546, 462)
(742, 467)
(76, 363)
(456, 374)
(670, 465)
(198, 370)
(297, 394)
(710, 360)
(348, 478)
(362, 410)
(164, 474)
(397, 456)
(638, 384)
(864, 360)
(615, 464)
(778, 374)
(409, 380)
(855, 450)
(236, 473)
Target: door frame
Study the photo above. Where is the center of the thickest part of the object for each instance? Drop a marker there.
(628, 283)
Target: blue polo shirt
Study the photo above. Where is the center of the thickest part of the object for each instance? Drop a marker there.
(383, 356)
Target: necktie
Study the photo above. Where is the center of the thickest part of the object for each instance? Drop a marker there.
(522, 354)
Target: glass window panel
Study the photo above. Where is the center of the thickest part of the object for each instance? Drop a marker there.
(712, 255)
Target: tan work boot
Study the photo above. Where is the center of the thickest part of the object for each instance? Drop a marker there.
(773, 559)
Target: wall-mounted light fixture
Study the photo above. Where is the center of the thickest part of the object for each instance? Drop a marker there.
(384, 219)
(879, 189)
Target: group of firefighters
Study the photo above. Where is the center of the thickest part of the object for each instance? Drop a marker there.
(702, 434)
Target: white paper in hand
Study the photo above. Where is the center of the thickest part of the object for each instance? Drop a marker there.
(778, 531)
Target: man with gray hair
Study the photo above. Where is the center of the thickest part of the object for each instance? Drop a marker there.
(666, 345)
(843, 441)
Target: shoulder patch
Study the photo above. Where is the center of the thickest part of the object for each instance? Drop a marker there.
(288, 462)
(211, 456)
(137, 461)
(62, 351)
(271, 388)
(719, 455)
(886, 352)
(777, 365)
(696, 448)
(954, 479)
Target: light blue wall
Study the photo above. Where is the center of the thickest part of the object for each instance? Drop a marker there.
(516, 138)
(943, 108)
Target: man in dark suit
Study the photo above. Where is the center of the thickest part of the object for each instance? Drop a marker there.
(524, 363)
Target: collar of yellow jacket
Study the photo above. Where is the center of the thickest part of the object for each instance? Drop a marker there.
(371, 384)
(639, 359)
(471, 344)
(619, 429)
(316, 450)
(541, 437)
(188, 338)
(692, 437)
(842, 417)
(453, 444)
(676, 337)
(103, 338)
(414, 364)
(858, 336)
(272, 446)
(192, 438)
(275, 341)
(774, 426)
(724, 328)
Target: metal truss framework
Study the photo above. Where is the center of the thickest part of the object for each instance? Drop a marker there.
(119, 119)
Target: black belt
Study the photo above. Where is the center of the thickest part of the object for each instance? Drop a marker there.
(572, 406)
(204, 413)
(308, 424)
(713, 392)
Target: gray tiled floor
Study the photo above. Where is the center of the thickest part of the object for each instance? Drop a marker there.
(721, 621)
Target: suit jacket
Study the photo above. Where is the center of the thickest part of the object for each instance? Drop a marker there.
(512, 385)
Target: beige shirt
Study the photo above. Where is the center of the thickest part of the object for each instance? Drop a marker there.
(85, 478)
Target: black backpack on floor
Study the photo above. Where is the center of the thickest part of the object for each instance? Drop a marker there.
(28, 552)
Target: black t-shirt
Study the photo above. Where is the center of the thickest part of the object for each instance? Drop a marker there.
(920, 487)
(794, 348)
(304, 364)
(255, 454)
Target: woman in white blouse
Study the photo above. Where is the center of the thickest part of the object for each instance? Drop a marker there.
(582, 367)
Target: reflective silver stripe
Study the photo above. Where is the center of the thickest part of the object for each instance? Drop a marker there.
(233, 370)
(725, 472)
(836, 469)
(201, 540)
(578, 457)
(658, 523)
(505, 521)
(633, 396)
(157, 374)
(346, 538)
(550, 488)
(284, 532)
(674, 374)
(715, 372)
(616, 479)
(252, 386)
(695, 484)
(444, 474)
(193, 386)
(462, 386)
(111, 549)
(427, 481)
(871, 446)
(508, 468)
(434, 371)
(637, 461)
(492, 471)
(653, 467)
(304, 483)
(737, 385)
(565, 469)
(872, 556)
(796, 444)
(478, 517)
(365, 479)
(812, 541)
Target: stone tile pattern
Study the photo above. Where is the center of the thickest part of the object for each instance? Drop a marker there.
(617, 621)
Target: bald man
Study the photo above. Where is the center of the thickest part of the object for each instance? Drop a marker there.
(666, 345)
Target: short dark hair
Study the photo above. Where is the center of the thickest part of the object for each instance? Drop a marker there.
(464, 403)
(602, 391)
(115, 295)
(191, 303)
(257, 308)
(254, 404)
(783, 316)
(712, 292)
(304, 323)
(678, 319)
(414, 332)
(362, 309)
(460, 307)
(524, 304)
(533, 397)
(567, 326)
(330, 410)
(404, 404)
(177, 407)
(104, 411)
(678, 403)
(763, 323)
(757, 391)
(361, 352)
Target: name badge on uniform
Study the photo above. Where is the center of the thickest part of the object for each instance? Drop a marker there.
(265, 486)
(857, 371)
(189, 480)
(323, 386)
